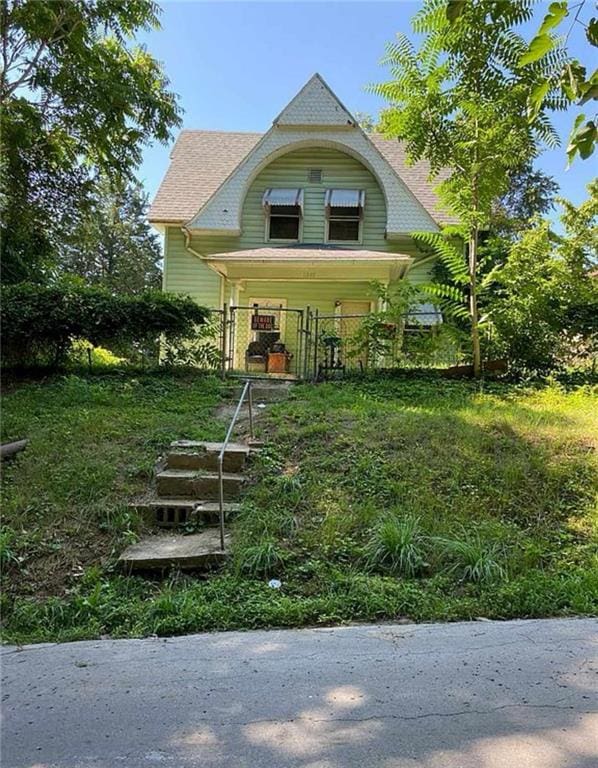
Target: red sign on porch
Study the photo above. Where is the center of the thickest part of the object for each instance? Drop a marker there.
(263, 322)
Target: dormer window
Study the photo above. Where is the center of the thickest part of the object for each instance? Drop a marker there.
(284, 212)
(344, 215)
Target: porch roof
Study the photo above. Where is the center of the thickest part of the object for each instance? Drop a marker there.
(316, 262)
(307, 253)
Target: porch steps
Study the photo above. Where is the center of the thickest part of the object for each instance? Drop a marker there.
(187, 492)
(176, 513)
(191, 454)
(167, 550)
(197, 484)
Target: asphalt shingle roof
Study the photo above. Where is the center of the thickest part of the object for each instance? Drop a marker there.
(202, 160)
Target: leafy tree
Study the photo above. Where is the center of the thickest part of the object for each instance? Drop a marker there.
(112, 244)
(77, 97)
(531, 193)
(460, 101)
(545, 308)
(565, 82)
(366, 122)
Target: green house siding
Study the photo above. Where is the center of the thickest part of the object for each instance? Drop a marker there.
(316, 295)
(185, 272)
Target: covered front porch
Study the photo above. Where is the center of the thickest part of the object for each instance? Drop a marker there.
(272, 292)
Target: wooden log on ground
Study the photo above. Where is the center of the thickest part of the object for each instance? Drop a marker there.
(10, 449)
(496, 367)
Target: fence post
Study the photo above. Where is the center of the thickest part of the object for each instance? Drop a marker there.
(307, 329)
(223, 341)
(315, 342)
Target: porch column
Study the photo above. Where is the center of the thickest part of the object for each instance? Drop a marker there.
(234, 292)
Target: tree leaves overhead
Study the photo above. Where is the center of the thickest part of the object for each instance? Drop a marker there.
(538, 47)
(454, 9)
(78, 93)
(567, 79)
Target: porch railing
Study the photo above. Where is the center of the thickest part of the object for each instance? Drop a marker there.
(245, 393)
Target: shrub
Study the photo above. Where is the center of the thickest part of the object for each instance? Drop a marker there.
(398, 546)
(472, 559)
(40, 324)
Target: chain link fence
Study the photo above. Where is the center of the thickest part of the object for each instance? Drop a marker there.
(278, 341)
(342, 344)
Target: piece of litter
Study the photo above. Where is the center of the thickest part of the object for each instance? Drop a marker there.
(261, 405)
(275, 584)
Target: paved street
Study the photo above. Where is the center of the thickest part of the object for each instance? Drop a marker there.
(477, 695)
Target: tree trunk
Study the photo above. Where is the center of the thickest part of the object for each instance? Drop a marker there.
(473, 302)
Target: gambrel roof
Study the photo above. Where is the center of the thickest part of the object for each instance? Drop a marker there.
(204, 185)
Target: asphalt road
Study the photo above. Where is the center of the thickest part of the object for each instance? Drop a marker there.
(477, 695)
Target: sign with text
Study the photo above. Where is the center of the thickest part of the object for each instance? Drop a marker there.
(263, 322)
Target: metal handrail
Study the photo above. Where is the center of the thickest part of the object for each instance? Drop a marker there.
(246, 392)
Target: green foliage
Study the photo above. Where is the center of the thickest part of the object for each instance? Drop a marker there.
(379, 334)
(543, 310)
(455, 100)
(565, 81)
(78, 98)
(263, 559)
(204, 350)
(398, 546)
(40, 324)
(112, 244)
(472, 559)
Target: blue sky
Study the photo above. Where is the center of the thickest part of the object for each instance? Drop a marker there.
(236, 64)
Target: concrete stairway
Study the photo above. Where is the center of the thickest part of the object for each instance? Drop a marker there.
(187, 491)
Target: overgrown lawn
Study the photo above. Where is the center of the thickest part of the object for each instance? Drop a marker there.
(374, 500)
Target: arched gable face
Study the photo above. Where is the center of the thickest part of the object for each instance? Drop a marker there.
(222, 213)
(337, 170)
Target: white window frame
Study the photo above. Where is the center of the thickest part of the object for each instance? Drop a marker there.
(359, 218)
(268, 215)
(268, 239)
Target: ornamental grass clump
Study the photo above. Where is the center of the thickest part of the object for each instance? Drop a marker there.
(472, 559)
(263, 559)
(398, 546)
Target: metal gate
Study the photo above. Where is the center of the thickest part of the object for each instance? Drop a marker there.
(267, 340)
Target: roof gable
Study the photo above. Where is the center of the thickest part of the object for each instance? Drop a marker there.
(315, 104)
(210, 171)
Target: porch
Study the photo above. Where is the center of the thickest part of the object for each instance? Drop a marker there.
(273, 294)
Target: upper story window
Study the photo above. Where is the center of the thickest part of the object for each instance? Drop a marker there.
(344, 215)
(284, 212)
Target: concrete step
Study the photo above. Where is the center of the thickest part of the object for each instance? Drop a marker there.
(266, 392)
(192, 484)
(165, 550)
(173, 513)
(193, 454)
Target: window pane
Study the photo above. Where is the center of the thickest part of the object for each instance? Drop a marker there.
(284, 228)
(285, 210)
(339, 212)
(343, 230)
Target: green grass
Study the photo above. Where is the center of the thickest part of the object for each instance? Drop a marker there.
(374, 500)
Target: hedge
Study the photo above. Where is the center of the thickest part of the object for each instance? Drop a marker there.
(39, 324)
